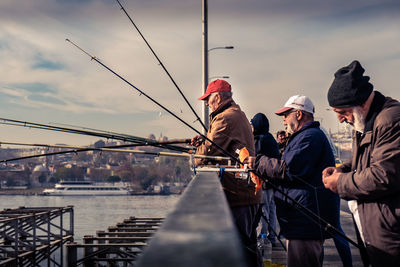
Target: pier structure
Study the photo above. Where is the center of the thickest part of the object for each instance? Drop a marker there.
(29, 236)
(119, 245)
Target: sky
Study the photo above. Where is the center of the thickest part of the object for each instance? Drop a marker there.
(281, 48)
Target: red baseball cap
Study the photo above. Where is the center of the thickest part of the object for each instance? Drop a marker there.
(216, 86)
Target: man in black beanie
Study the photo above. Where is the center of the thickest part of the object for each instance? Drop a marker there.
(371, 181)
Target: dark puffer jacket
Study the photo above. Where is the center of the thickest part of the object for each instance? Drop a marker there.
(299, 175)
(264, 142)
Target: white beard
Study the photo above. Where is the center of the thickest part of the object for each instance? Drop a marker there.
(359, 120)
(291, 127)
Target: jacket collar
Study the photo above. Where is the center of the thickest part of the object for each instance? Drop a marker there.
(224, 105)
(376, 107)
(311, 124)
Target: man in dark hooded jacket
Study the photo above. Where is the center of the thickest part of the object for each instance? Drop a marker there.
(266, 145)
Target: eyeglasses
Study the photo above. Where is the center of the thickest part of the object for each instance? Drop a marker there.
(285, 115)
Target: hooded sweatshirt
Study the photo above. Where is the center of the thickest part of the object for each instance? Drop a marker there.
(264, 141)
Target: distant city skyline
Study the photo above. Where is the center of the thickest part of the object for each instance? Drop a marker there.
(282, 48)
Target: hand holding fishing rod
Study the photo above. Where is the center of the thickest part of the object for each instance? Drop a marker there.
(196, 141)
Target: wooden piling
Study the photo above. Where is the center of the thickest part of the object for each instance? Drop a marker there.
(72, 254)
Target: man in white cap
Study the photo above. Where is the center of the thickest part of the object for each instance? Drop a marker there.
(298, 174)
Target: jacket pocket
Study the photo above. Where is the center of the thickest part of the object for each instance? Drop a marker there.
(390, 217)
(366, 140)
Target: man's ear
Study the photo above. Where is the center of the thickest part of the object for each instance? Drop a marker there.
(299, 115)
(219, 99)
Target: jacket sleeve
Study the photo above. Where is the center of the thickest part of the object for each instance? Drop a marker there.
(382, 177)
(345, 167)
(297, 162)
(217, 134)
(271, 167)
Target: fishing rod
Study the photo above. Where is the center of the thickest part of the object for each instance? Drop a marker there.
(124, 138)
(166, 142)
(162, 65)
(90, 129)
(153, 100)
(116, 136)
(76, 149)
(173, 141)
(314, 217)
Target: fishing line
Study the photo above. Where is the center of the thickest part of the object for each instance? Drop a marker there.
(154, 101)
(321, 222)
(162, 65)
(116, 136)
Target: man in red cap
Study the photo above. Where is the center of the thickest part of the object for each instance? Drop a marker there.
(230, 129)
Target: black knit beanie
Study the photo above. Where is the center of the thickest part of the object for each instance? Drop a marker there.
(349, 88)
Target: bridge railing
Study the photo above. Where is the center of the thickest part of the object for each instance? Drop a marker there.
(199, 232)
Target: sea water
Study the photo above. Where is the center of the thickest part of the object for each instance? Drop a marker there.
(92, 213)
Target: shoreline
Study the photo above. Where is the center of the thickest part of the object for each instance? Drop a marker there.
(24, 192)
(39, 191)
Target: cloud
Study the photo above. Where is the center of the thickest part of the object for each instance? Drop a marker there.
(42, 63)
(46, 99)
(282, 48)
(32, 87)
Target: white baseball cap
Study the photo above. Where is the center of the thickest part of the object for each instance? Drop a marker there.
(297, 102)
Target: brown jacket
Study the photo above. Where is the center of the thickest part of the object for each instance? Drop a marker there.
(230, 129)
(373, 179)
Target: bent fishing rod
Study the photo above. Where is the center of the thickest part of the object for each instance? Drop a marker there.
(162, 65)
(111, 135)
(326, 226)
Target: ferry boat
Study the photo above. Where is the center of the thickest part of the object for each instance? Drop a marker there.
(85, 188)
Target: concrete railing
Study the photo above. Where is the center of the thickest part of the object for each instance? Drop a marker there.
(199, 232)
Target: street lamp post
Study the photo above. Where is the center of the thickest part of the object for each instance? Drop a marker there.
(204, 108)
(206, 79)
(205, 51)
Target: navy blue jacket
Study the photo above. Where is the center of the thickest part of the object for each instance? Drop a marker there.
(299, 175)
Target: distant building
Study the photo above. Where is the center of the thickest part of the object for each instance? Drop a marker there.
(40, 175)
